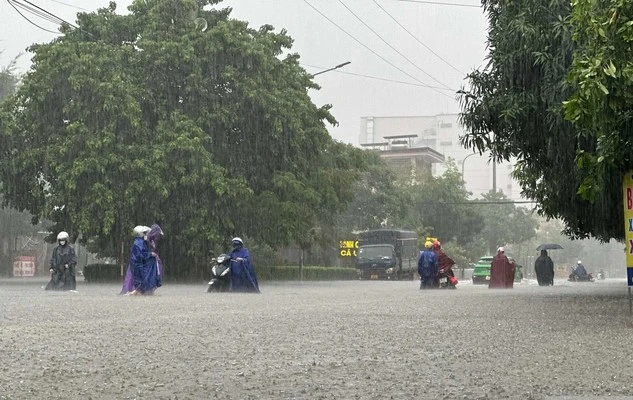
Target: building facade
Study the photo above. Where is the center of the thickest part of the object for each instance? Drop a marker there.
(440, 133)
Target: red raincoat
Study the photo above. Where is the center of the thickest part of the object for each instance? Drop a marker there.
(443, 261)
(501, 272)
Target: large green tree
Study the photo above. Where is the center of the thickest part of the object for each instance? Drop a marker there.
(378, 198)
(601, 105)
(13, 224)
(174, 113)
(514, 108)
(438, 206)
(504, 222)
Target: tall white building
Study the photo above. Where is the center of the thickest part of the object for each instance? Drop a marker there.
(441, 133)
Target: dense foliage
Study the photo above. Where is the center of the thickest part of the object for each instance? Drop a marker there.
(602, 76)
(437, 206)
(153, 116)
(514, 108)
(13, 224)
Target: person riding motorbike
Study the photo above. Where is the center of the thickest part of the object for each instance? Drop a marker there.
(243, 278)
(580, 270)
(445, 266)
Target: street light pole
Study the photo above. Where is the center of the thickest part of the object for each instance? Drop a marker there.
(464, 162)
(333, 68)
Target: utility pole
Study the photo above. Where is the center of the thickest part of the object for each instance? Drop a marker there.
(494, 176)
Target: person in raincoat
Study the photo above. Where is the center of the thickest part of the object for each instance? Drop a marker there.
(427, 267)
(544, 268)
(63, 265)
(580, 271)
(154, 234)
(444, 262)
(143, 264)
(518, 273)
(501, 271)
(243, 278)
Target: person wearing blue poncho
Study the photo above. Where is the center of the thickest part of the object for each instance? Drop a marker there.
(243, 278)
(143, 264)
(155, 276)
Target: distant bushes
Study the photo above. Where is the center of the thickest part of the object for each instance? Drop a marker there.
(292, 273)
(95, 273)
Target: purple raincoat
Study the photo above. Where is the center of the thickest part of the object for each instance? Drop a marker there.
(153, 236)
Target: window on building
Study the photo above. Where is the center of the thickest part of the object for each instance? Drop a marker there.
(369, 130)
(446, 125)
(446, 143)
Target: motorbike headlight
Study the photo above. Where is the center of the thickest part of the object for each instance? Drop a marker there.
(390, 270)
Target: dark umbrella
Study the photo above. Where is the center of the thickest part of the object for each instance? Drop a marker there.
(549, 246)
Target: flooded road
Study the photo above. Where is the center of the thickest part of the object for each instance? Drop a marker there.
(352, 340)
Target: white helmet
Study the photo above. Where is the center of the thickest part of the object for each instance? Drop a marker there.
(238, 240)
(62, 236)
(140, 230)
(501, 250)
(579, 262)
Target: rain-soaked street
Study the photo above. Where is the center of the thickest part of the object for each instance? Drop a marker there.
(343, 340)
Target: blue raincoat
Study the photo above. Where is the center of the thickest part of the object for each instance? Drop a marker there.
(243, 278)
(144, 267)
(427, 268)
(155, 233)
(581, 271)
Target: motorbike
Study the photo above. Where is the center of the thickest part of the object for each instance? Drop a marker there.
(446, 278)
(573, 277)
(601, 276)
(220, 275)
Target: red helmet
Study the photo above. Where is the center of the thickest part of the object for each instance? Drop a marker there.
(437, 245)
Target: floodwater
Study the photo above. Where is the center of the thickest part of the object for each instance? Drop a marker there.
(336, 340)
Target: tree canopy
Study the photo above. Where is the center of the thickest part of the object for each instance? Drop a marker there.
(504, 222)
(514, 108)
(155, 116)
(602, 77)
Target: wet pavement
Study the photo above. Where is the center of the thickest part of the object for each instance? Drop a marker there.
(335, 340)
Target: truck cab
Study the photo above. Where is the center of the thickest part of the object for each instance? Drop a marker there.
(376, 261)
(387, 254)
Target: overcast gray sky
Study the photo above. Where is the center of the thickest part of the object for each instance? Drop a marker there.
(457, 34)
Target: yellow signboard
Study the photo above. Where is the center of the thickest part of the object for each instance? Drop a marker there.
(348, 248)
(627, 191)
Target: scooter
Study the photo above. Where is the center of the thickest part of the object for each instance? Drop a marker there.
(220, 275)
(446, 278)
(575, 278)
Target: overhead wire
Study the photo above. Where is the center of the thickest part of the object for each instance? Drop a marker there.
(390, 46)
(50, 13)
(382, 79)
(440, 3)
(70, 5)
(371, 50)
(418, 40)
(31, 22)
(36, 12)
(44, 14)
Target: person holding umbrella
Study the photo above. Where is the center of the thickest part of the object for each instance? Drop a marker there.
(544, 268)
